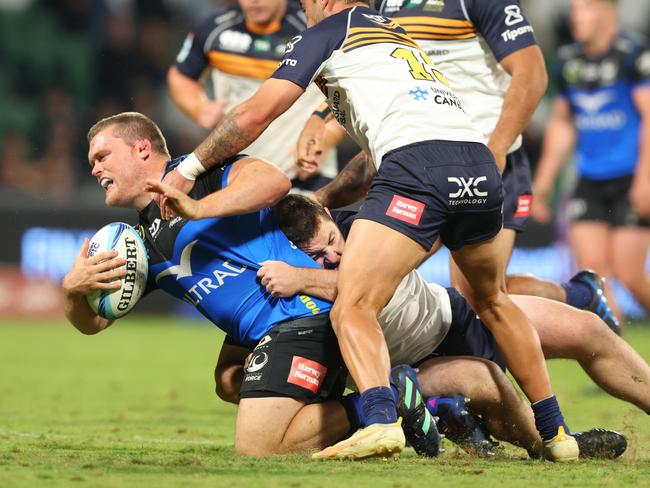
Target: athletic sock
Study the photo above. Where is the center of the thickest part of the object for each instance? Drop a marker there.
(378, 405)
(354, 410)
(548, 418)
(578, 294)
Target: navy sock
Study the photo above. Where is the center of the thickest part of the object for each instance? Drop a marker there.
(354, 410)
(378, 405)
(578, 294)
(548, 418)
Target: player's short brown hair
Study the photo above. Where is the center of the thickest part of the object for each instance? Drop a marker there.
(132, 126)
(297, 216)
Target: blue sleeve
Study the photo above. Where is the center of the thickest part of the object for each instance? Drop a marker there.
(192, 59)
(306, 53)
(502, 24)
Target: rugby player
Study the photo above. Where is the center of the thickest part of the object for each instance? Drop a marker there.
(488, 52)
(209, 256)
(603, 106)
(241, 46)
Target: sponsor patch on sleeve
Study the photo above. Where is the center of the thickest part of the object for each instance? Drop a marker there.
(523, 205)
(405, 209)
(307, 374)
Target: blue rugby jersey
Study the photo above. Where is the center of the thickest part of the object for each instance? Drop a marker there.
(212, 264)
(599, 92)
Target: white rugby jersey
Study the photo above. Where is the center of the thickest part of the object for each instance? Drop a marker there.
(241, 57)
(416, 320)
(466, 39)
(378, 82)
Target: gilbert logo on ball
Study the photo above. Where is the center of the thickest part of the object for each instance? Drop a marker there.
(127, 242)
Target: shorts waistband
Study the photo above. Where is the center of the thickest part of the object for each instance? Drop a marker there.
(320, 320)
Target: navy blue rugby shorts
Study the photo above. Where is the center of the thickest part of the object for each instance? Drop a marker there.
(518, 196)
(432, 189)
(467, 336)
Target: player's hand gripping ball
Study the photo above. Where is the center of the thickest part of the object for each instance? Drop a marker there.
(127, 242)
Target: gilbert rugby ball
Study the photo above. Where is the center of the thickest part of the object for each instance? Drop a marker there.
(127, 242)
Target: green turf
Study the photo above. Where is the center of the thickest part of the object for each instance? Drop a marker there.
(134, 406)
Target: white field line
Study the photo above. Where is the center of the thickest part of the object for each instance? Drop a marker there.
(135, 438)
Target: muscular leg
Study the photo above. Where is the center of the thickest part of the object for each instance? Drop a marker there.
(590, 244)
(279, 425)
(527, 284)
(629, 253)
(504, 413)
(484, 268)
(612, 363)
(376, 259)
(520, 284)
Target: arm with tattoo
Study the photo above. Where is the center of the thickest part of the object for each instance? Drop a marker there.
(350, 185)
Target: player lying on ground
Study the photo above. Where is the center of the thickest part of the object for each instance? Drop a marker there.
(424, 320)
(209, 256)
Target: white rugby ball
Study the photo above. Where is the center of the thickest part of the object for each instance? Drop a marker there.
(127, 242)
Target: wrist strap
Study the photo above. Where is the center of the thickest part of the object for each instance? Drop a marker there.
(190, 168)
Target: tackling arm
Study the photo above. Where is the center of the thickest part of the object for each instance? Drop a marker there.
(253, 184)
(527, 86)
(350, 185)
(283, 280)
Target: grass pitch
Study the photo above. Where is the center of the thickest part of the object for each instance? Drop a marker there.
(134, 406)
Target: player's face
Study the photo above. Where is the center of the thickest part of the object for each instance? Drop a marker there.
(114, 163)
(586, 18)
(327, 245)
(263, 12)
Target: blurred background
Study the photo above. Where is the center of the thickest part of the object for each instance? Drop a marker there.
(65, 64)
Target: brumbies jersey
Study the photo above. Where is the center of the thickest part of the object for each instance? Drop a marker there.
(378, 82)
(242, 56)
(466, 39)
(599, 92)
(212, 264)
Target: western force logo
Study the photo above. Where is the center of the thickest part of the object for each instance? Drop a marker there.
(307, 374)
(257, 362)
(513, 15)
(405, 209)
(467, 190)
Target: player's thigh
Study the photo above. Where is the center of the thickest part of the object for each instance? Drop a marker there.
(564, 331)
(483, 266)
(590, 243)
(453, 375)
(505, 245)
(262, 424)
(375, 260)
(629, 253)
